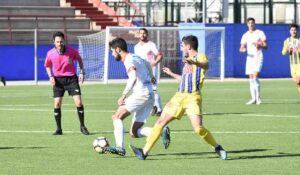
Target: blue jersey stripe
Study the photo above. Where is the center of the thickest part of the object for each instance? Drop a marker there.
(190, 83)
(182, 83)
(198, 76)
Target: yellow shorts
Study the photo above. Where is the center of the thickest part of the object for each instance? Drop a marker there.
(191, 103)
(295, 70)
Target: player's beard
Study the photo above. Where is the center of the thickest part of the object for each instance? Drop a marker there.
(118, 57)
(185, 57)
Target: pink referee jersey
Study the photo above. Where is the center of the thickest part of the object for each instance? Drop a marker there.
(62, 64)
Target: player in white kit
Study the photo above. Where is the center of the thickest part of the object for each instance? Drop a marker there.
(253, 41)
(147, 50)
(139, 103)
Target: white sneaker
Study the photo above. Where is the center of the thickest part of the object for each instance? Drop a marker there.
(251, 102)
(258, 102)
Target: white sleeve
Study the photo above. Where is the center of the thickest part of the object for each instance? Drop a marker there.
(154, 49)
(130, 82)
(263, 36)
(135, 49)
(244, 39)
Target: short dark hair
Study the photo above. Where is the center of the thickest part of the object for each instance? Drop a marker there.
(191, 40)
(294, 25)
(145, 30)
(250, 19)
(118, 42)
(58, 34)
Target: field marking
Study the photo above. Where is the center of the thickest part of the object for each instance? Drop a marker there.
(252, 115)
(51, 110)
(111, 111)
(173, 132)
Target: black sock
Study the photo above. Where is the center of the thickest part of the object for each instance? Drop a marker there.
(80, 112)
(57, 115)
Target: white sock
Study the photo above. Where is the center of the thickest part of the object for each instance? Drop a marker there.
(157, 101)
(119, 132)
(257, 88)
(252, 89)
(144, 132)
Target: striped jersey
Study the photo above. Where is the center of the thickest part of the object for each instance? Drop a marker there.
(295, 45)
(193, 76)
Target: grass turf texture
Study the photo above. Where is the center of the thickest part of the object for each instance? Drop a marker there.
(260, 139)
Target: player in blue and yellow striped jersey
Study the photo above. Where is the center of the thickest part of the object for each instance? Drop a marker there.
(187, 99)
(291, 46)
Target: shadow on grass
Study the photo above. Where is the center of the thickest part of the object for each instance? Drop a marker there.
(12, 147)
(231, 155)
(277, 155)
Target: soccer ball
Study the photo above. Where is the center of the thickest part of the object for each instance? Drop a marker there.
(99, 143)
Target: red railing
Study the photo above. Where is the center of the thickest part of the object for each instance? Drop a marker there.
(124, 19)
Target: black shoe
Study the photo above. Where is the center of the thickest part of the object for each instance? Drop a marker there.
(158, 114)
(84, 130)
(2, 79)
(221, 152)
(166, 138)
(58, 132)
(138, 152)
(114, 150)
(154, 110)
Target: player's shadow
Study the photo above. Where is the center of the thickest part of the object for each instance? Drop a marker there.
(13, 147)
(231, 155)
(203, 155)
(277, 155)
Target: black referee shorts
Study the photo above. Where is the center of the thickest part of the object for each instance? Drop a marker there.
(69, 83)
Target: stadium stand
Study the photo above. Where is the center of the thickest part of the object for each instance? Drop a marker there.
(19, 18)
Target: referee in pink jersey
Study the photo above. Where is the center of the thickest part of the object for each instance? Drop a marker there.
(63, 77)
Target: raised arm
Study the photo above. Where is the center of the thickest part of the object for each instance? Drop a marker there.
(172, 74)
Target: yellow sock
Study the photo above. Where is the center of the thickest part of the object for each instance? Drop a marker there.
(298, 88)
(153, 137)
(206, 135)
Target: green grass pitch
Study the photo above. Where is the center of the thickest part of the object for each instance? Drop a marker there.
(262, 139)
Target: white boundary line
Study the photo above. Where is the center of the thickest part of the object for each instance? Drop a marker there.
(207, 114)
(173, 132)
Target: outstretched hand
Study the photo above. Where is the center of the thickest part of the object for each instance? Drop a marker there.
(167, 70)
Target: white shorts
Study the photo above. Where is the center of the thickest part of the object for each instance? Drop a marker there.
(140, 106)
(253, 65)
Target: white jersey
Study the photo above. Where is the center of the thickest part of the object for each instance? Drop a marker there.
(147, 51)
(250, 38)
(143, 85)
(254, 61)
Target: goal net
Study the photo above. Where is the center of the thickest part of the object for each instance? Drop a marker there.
(100, 65)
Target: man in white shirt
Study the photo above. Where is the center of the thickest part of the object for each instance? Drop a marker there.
(147, 50)
(253, 41)
(139, 103)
